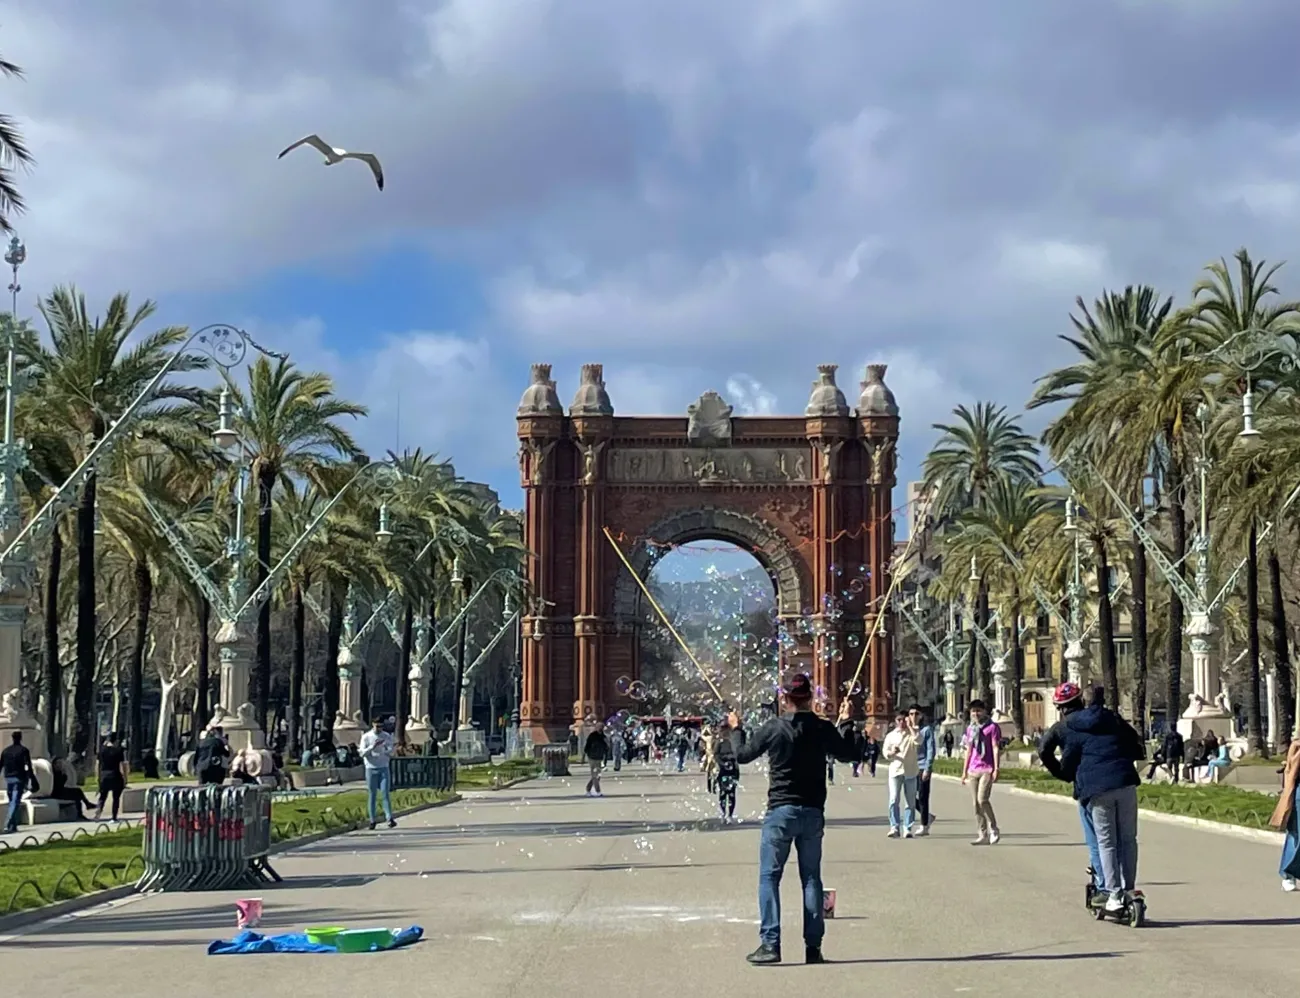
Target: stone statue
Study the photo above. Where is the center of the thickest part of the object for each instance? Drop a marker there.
(800, 468)
(1195, 704)
(590, 455)
(879, 460)
(747, 467)
(247, 715)
(11, 706)
(1222, 701)
(828, 451)
(709, 420)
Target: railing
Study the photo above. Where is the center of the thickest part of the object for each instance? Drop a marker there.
(206, 838)
(422, 772)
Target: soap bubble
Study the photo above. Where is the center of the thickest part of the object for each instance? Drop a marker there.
(621, 685)
(856, 586)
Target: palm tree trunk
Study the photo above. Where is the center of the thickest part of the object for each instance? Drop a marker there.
(1254, 722)
(143, 579)
(1281, 651)
(1178, 532)
(203, 670)
(1106, 623)
(297, 672)
(83, 697)
(330, 673)
(1139, 629)
(262, 666)
(1017, 665)
(404, 671)
(985, 666)
(53, 678)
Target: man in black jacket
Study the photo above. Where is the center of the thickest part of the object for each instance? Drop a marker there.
(796, 746)
(597, 751)
(1174, 750)
(19, 776)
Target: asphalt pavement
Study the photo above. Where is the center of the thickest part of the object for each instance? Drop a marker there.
(540, 890)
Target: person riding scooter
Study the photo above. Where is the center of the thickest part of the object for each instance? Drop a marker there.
(1098, 752)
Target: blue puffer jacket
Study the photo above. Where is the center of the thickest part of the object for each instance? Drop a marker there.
(1099, 752)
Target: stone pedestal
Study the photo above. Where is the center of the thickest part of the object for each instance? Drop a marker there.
(1205, 711)
(950, 697)
(1001, 692)
(349, 725)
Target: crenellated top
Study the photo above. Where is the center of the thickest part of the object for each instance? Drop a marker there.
(591, 398)
(826, 400)
(540, 397)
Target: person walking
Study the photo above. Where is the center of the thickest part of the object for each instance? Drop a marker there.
(596, 751)
(16, 762)
(1286, 817)
(112, 775)
(726, 777)
(376, 752)
(209, 760)
(900, 754)
(871, 753)
(983, 758)
(709, 758)
(682, 745)
(927, 748)
(618, 748)
(796, 746)
(948, 741)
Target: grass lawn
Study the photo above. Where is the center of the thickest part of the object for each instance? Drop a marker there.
(38, 875)
(1226, 803)
(481, 777)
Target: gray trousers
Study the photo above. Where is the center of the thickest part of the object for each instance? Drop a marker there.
(1115, 819)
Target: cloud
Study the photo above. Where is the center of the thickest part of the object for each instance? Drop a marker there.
(748, 396)
(680, 191)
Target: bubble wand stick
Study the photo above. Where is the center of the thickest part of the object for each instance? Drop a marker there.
(664, 617)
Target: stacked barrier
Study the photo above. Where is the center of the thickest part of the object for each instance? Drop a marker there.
(422, 772)
(555, 760)
(206, 838)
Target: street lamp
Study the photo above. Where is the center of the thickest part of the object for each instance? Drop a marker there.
(225, 436)
(384, 534)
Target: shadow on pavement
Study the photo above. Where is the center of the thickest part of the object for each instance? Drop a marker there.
(977, 957)
(1194, 923)
(218, 918)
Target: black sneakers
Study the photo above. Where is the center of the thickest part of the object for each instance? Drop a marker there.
(765, 955)
(813, 954)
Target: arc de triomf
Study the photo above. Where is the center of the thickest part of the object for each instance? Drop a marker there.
(808, 496)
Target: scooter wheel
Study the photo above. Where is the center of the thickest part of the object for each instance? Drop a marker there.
(1089, 893)
(1099, 913)
(1137, 914)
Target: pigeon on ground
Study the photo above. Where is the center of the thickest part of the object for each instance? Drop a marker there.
(333, 156)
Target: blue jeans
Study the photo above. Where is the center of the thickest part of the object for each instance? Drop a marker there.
(783, 826)
(1114, 815)
(904, 787)
(14, 787)
(1094, 851)
(377, 781)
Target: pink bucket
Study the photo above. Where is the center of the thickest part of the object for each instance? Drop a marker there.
(248, 913)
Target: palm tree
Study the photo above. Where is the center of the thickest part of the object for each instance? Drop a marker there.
(287, 421)
(1001, 532)
(982, 446)
(1223, 311)
(1116, 371)
(87, 377)
(13, 152)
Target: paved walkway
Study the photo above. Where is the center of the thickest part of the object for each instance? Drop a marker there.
(539, 890)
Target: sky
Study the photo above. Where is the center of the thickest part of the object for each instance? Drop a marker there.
(716, 195)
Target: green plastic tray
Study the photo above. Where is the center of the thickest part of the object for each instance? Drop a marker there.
(363, 940)
(325, 935)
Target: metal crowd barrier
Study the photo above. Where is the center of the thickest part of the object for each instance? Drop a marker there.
(206, 838)
(422, 772)
(555, 760)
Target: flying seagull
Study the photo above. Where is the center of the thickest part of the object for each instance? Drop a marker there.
(333, 156)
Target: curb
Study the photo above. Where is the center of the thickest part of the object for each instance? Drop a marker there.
(1162, 817)
(72, 906)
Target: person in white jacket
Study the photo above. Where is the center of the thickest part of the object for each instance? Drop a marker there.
(899, 752)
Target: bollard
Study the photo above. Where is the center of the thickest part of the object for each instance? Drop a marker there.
(555, 760)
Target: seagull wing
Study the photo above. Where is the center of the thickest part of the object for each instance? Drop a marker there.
(316, 142)
(372, 161)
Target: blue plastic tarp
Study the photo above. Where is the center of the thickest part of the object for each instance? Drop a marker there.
(294, 942)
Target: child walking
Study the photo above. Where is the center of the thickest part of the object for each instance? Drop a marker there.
(727, 778)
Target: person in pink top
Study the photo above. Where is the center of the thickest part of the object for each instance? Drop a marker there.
(983, 757)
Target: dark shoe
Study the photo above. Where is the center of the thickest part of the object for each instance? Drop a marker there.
(813, 954)
(764, 955)
(392, 823)
(372, 826)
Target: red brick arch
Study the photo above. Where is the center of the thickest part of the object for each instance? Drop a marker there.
(804, 494)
